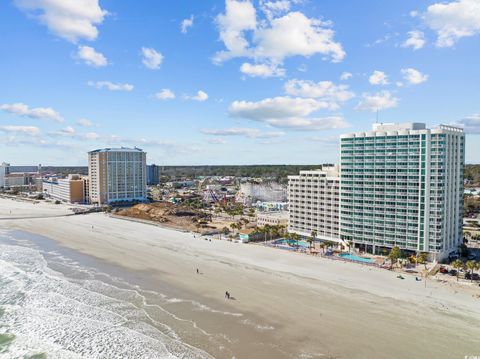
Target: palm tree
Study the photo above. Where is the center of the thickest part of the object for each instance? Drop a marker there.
(413, 259)
(422, 259)
(457, 264)
(350, 244)
(471, 265)
(329, 244)
(394, 255)
(311, 239)
(234, 226)
(322, 246)
(266, 229)
(295, 237)
(275, 232)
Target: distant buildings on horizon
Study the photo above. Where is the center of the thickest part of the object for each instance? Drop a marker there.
(115, 176)
(397, 185)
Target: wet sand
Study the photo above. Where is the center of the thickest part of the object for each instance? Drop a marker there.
(286, 305)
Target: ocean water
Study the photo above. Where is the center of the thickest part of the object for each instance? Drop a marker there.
(54, 306)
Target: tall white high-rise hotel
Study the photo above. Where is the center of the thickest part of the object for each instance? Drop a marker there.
(117, 175)
(402, 185)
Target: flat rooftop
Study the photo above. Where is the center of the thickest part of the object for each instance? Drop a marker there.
(392, 126)
(118, 149)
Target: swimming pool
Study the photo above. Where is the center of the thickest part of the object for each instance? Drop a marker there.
(355, 258)
(291, 242)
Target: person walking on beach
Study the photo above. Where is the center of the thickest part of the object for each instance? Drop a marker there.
(227, 295)
(198, 271)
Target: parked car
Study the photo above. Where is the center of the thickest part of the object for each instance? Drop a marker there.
(453, 272)
(471, 257)
(443, 270)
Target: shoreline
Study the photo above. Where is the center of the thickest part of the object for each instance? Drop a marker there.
(316, 305)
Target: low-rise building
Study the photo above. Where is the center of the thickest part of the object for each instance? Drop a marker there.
(22, 182)
(250, 234)
(70, 190)
(272, 218)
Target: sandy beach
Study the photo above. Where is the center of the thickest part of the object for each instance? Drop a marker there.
(286, 305)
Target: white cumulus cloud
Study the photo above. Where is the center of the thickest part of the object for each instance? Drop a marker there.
(413, 76)
(277, 107)
(152, 59)
(378, 78)
(68, 131)
(239, 17)
(165, 94)
(90, 136)
(217, 141)
(91, 57)
(36, 113)
(69, 19)
(471, 124)
(26, 130)
(453, 20)
(295, 34)
(243, 131)
(310, 124)
(324, 90)
(200, 96)
(272, 9)
(378, 101)
(112, 86)
(262, 70)
(186, 24)
(282, 34)
(416, 40)
(345, 76)
(287, 112)
(83, 122)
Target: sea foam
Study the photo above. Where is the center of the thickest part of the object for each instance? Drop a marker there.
(64, 318)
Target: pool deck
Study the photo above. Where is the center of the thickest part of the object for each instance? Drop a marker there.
(376, 261)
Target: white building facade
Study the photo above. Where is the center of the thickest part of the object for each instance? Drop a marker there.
(402, 185)
(117, 175)
(314, 203)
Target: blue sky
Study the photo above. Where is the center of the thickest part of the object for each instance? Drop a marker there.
(230, 82)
